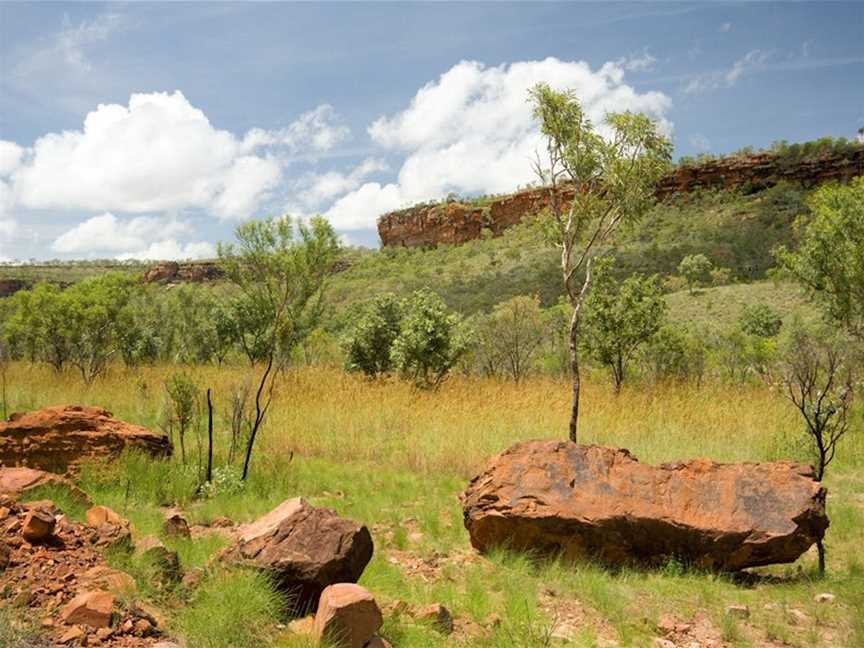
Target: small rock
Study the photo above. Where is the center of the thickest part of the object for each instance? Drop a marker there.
(92, 608)
(438, 615)
(797, 617)
(221, 522)
(662, 643)
(824, 597)
(166, 561)
(142, 627)
(347, 615)
(738, 611)
(73, 633)
(98, 516)
(45, 505)
(5, 556)
(666, 624)
(192, 578)
(304, 626)
(176, 526)
(38, 526)
(104, 633)
(105, 578)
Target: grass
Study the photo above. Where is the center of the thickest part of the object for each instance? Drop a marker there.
(396, 459)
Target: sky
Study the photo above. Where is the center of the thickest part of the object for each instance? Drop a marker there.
(150, 130)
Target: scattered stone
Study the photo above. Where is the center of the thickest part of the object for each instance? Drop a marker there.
(797, 617)
(592, 501)
(438, 615)
(92, 608)
(666, 624)
(38, 526)
(738, 611)
(304, 548)
(303, 626)
(59, 438)
(104, 633)
(824, 597)
(72, 634)
(5, 556)
(192, 578)
(176, 526)
(662, 643)
(142, 627)
(105, 578)
(347, 616)
(99, 516)
(221, 522)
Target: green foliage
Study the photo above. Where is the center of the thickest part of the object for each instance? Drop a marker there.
(760, 320)
(231, 609)
(431, 340)
(280, 275)
(829, 261)
(696, 270)
(674, 354)
(371, 335)
(509, 338)
(620, 317)
(183, 396)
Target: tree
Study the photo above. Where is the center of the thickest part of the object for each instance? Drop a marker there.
(431, 339)
(38, 326)
(280, 273)
(829, 260)
(370, 339)
(612, 179)
(760, 320)
(510, 336)
(818, 375)
(696, 270)
(183, 404)
(620, 317)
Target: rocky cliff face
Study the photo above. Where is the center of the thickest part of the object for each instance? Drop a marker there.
(173, 272)
(455, 222)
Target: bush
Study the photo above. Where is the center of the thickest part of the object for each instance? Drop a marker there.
(370, 339)
(431, 340)
(696, 270)
(760, 320)
(673, 354)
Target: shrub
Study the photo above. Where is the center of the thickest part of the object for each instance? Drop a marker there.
(371, 336)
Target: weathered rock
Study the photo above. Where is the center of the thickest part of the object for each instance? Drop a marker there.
(738, 611)
(454, 222)
(98, 516)
(347, 616)
(304, 548)
(108, 579)
(438, 615)
(5, 556)
(58, 438)
(19, 480)
(38, 526)
(72, 634)
(824, 597)
(589, 501)
(92, 608)
(177, 526)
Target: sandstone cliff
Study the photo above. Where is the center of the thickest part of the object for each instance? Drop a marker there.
(456, 222)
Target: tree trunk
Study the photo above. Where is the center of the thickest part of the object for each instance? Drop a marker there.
(821, 549)
(209, 438)
(575, 375)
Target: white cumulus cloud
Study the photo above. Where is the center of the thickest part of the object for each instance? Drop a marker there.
(472, 131)
(143, 237)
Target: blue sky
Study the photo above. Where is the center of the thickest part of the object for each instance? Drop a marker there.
(150, 130)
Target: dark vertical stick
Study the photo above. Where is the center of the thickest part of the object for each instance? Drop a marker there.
(209, 437)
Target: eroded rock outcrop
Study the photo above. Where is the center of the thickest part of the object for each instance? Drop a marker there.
(193, 272)
(20, 480)
(304, 548)
(601, 503)
(58, 438)
(453, 222)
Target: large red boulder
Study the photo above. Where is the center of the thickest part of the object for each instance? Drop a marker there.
(305, 549)
(58, 438)
(557, 497)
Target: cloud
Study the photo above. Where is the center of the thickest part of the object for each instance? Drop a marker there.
(725, 28)
(472, 131)
(10, 157)
(68, 47)
(315, 131)
(142, 237)
(317, 189)
(751, 62)
(642, 63)
(158, 154)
